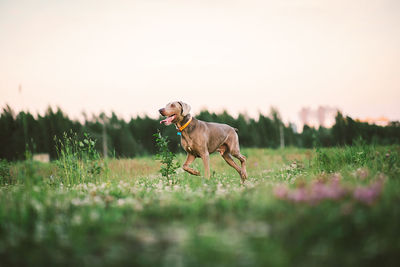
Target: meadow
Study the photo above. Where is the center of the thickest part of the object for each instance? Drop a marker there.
(299, 207)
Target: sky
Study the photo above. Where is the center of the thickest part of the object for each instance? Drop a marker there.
(133, 57)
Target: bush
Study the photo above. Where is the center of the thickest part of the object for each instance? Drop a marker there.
(78, 160)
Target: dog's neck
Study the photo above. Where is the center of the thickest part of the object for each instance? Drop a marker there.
(183, 122)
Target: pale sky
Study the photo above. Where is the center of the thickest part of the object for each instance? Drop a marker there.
(133, 57)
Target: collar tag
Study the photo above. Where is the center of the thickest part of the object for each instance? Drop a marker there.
(178, 133)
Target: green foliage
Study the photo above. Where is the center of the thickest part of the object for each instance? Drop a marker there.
(376, 159)
(165, 156)
(78, 159)
(27, 173)
(5, 177)
(140, 219)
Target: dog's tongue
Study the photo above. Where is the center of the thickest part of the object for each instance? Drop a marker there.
(168, 120)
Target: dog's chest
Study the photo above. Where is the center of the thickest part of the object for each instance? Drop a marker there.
(188, 146)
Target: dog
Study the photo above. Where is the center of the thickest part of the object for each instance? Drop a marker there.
(199, 139)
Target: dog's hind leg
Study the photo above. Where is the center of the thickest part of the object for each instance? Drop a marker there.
(233, 147)
(242, 159)
(228, 158)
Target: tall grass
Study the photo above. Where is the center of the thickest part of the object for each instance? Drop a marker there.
(382, 159)
(78, 160)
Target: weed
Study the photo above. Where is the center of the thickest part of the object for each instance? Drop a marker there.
(78, 160)
(165, 156)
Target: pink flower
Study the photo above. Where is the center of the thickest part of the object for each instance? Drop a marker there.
(368, 194)
(298, 195)
(320, 191)
(281, 191)
(334, 190)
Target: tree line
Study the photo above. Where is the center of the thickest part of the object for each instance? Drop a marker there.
(21, 132)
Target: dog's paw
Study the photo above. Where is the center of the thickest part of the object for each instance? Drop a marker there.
(243, 175)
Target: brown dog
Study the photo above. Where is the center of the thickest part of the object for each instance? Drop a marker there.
(200, 139)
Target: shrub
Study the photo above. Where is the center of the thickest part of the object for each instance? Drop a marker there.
(164, 155)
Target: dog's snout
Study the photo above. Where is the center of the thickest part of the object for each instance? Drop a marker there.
(161, 110)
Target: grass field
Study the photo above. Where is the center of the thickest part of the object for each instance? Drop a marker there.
(325, 207)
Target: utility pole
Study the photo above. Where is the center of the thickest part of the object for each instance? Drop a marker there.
(281, 133)
(105, 149)
(104, 135)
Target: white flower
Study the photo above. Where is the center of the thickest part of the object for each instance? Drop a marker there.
(36, 205)
(94, 215)
(121, 202)
(76, 220)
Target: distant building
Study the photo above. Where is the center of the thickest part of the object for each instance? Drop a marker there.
(42, 157)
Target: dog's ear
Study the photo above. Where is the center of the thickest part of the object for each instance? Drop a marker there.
(185, 108)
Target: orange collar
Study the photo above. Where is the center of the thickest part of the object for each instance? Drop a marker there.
(180, 129)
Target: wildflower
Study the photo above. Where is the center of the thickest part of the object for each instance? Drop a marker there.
(76, 201)
(362, 173)
(137, 206)
(298, 195)
(281, 191)
(320, 191)
(221, 191)
(94, 215)
(76, 220)
(37, 205)
(336, 177)
(103, 186)
(176, 187)
(368, 194)
(121, 202)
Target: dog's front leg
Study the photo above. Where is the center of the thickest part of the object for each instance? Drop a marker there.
(189, 159)
(206, 161)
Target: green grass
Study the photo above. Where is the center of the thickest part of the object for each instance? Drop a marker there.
(126, 214)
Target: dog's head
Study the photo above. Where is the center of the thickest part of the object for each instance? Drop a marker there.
(175, 112)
